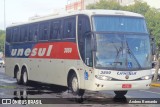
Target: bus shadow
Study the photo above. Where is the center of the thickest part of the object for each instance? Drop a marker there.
(48, 87)
(34, 89)
(103, 101)
(37, 88)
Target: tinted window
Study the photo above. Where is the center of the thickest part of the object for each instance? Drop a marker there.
(55, 30)
(83, 28)
(33, 32)
(23, 33)
(69, 27)
(9, 35)
(43, 31)
(15, 34)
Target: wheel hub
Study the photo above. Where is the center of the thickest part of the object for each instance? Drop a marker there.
(25, 77)
(18, 75)
(75, 84)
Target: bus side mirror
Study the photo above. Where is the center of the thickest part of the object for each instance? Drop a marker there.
(93, 43)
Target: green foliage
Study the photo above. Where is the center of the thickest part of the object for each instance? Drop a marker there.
(2, 38)
(138, 7)
(103, 4)
(153, 22)
(151, 15)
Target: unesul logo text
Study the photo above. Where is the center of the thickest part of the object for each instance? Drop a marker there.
(33, 52)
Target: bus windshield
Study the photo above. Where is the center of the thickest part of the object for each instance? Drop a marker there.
(119, 24)
(122, 51)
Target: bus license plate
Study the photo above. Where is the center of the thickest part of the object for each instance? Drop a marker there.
(126, 86)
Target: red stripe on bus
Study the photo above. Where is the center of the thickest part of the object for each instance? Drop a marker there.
(56, 50)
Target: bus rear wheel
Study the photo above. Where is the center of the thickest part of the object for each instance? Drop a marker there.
(74, 86)
(120, 93)
(24, 76)
(18, 77)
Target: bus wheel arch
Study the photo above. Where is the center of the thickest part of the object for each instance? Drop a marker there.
(16, 68)
(24, 75)
(17, 74)
(73, 84)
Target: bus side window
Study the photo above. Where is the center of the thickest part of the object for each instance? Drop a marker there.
(9, 35)
(43, 31)
(83, 28)
(15, 34)
(23, 33)
(69, 28)
(55, 32)
(33, 33)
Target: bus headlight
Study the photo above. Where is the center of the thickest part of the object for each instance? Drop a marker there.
(102, 77)
(146, 77)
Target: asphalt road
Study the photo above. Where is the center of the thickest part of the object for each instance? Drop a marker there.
(9, 89)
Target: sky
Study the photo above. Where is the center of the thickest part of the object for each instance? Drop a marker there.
(153, 3)
(21, 10)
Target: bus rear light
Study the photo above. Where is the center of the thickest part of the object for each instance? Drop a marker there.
(102, 77)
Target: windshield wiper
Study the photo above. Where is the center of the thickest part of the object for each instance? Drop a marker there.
(131, 53)
(118, 51)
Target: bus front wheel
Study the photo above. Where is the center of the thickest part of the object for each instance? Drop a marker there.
(120, 93)
(74, 86)
(24, 76)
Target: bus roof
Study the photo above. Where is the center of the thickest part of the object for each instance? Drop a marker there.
(85, 12)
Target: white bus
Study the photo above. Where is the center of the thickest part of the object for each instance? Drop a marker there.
(85, 50)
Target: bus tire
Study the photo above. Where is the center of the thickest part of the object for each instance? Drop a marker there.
(24, 76)
(120, 93)
(74, 87)
(18, 77)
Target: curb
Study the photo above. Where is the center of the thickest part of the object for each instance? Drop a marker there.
(155, 84)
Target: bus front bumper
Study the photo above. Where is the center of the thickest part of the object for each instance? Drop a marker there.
(100, 85)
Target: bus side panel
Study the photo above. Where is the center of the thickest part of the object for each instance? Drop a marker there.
(78, 67)
(48, 67)
(48, 71)
(9, 66)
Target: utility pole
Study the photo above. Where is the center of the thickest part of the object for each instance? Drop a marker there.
(4, 14)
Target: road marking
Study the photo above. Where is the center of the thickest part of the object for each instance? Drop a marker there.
(150, 92)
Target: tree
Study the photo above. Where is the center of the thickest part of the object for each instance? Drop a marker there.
(138, 7)
(156, 71)
(2, 38)
(105, 4)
